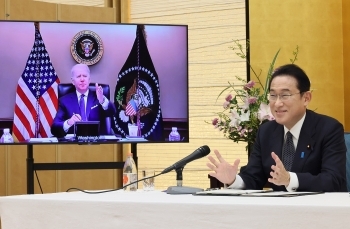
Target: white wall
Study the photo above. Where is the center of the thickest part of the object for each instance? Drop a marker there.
(212, 27)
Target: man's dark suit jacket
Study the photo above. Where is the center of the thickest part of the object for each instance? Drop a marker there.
(321, 141)
(69, 104)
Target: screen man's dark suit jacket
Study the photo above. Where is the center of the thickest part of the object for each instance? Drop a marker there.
(319, 161)
(69, 104)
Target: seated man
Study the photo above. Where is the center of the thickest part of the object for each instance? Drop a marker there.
(81, 105)
(299, 151)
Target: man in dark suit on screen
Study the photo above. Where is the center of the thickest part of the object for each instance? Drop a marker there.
(81, 105)
(299, 151)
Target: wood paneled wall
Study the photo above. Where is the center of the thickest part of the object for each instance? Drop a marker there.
(317, 27)
(346, 61)
(2, 10)
(13, 158)
(29, 10)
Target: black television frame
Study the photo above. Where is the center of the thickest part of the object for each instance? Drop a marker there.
(6, 122)
(181, 123)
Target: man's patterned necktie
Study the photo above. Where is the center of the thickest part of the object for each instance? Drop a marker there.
(82, 108)
(288, 152)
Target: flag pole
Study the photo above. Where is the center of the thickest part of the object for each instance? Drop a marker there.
(37, 25)
(37, 76)
(138, 78)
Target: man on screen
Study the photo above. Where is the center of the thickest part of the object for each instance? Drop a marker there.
(299, 151)
(81, 105)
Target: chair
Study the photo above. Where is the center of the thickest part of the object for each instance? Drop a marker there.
(65, 88)
(347, 143)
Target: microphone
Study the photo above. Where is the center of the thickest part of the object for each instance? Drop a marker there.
(198, 153)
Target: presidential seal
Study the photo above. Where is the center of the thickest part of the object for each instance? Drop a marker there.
(86, 47)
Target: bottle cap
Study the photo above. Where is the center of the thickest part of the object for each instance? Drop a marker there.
(174, 128)
(6, 130)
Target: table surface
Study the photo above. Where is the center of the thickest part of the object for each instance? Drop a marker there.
(156, 209)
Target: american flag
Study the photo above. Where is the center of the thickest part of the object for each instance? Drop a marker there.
(131, 108)
(36, 95)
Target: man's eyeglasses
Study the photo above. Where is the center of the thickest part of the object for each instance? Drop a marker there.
(282, 97)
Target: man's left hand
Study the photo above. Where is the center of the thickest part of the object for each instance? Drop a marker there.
(279, 175)
(99, 93)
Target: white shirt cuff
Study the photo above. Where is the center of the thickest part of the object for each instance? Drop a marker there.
(66, 126)
(293, 182)
(238, 184)
(105, 104)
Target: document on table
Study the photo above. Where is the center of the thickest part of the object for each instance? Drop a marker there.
(134, 139)
(230, 192)
(252, 193)
(282, 194)
(102, 137)
(53, 139)
(110, 137)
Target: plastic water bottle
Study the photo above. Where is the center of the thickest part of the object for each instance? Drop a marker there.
(174, 136)
(6, 137)
(129, 174)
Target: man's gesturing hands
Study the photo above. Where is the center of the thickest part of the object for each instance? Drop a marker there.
(223, 171)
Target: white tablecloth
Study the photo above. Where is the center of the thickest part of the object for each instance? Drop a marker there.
(159, 210)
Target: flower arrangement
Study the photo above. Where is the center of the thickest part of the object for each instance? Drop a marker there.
(246, 106)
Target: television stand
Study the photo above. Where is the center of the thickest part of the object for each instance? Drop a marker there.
(32, 166)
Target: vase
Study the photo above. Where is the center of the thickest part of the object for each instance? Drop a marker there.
(250, 148)
(215, 183)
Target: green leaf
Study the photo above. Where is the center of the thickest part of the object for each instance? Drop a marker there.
(269, 73)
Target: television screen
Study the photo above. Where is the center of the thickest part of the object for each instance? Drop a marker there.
(131, 78)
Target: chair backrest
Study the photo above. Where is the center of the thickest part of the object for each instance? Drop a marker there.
(347, 143)
(65, 88)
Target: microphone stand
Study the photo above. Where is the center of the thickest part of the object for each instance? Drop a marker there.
(179, 189)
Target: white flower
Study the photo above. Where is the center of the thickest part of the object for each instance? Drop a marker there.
(265, 112)
(245, 116)
(234, 119)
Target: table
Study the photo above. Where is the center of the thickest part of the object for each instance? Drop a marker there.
(156, 209)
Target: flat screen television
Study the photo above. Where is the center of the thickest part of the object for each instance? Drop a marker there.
(136, 77)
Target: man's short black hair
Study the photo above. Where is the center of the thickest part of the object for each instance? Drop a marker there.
(303, 82)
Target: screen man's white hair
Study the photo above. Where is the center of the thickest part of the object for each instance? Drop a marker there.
(79, 66)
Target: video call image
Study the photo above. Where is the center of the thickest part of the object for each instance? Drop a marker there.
(87, 82)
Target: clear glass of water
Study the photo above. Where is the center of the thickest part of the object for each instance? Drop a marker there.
(148, 184)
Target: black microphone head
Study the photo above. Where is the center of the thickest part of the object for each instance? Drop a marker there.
(205, 150)
(198, 153)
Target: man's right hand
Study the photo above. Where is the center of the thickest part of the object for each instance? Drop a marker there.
(75, 118)
(223, 171)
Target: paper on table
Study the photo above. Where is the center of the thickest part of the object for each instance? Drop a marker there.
(134, 139)
(43, 140)
(109, 137)
(282, 194)
(253, 193)
(69, 136)
(230, 192)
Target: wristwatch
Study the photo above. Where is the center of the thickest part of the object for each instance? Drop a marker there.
(104, 99)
